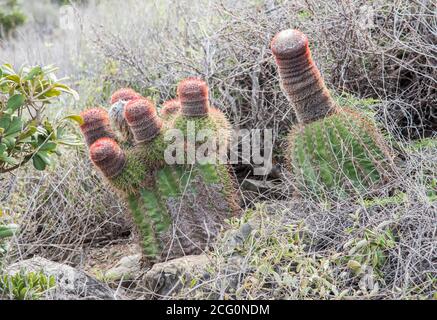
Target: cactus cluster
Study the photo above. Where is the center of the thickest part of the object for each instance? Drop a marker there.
(178, 209)
(332, 151)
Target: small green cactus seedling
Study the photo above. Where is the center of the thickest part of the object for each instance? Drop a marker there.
(178, 208)
(332, 151)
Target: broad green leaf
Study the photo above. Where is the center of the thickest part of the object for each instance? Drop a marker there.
(52, 93)
(38, 162)
(7, 69)
(8, 160)
(14, 127)
(29, 132)
(9, 142)
(44, 157)
(36, 71)
(15, 102)
(5, 121)
(48, 146)
(3, 148)
(75, 117)
(14, 78)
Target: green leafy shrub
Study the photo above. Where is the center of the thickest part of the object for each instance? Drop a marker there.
(25, 131)
(10, 18)
(26, 286)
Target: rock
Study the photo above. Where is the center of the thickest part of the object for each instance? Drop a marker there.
(233, 239)
(257, 185)
(128, 268)
(70, 282)
(168, 278)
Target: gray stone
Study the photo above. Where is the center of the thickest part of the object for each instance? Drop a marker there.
(128, 268)
(168, 278)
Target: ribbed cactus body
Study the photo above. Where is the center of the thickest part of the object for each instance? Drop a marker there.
(96, 125)
(338, 155)
(173, 205)
(300, 78)
(119, 100)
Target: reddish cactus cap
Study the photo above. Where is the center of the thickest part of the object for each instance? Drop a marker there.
(95, 124)
(107, 155)
(171, 107)
(124, 94)
(93, 115)
(289, 43)
(139, 109)
(142, 119)
(192, 89)
(193, 95)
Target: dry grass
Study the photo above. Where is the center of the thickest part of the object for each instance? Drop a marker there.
(300, 249)
(62, 211)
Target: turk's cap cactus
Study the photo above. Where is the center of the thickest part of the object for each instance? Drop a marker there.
(170, 107)
(300, 78)
(119, 99)
(124, 94)
(142, 119)
(289, 44)
(107, 155)
(96, 125)
(178, 208)
(193, 96)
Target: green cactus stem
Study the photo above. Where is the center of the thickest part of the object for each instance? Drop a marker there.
(338, 155)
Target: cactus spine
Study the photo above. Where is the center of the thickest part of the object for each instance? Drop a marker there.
(332, 151)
